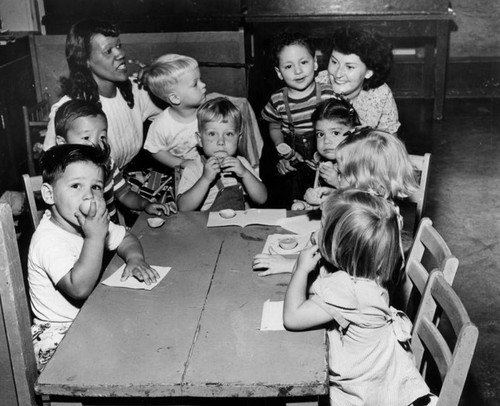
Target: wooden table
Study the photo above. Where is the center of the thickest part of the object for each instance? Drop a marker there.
(195, 335)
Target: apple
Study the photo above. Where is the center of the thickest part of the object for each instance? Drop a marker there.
(85, 206)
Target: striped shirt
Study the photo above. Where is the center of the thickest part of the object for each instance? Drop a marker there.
(115, 185)
(300, 109)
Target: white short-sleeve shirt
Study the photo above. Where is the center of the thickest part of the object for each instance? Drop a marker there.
(52, 254)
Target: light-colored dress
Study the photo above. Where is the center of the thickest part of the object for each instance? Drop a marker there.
(125, 125)
(368, 366)
(375, 107)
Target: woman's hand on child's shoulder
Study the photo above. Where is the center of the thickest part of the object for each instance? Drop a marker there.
(95, 223)
(308, 259)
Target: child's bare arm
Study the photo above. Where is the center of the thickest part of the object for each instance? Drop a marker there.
(193, 198)
(299, 313)
(169, 160)
(135, 201)
(276, 134)
(130, 250)
(79, 282)
(256, 190)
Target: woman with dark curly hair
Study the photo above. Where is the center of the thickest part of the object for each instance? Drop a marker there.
(359, 64)
(98, 73)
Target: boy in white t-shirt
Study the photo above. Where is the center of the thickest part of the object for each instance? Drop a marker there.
(66, 250)
(171, 138)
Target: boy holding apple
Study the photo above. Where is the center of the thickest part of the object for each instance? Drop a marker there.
(66, 250)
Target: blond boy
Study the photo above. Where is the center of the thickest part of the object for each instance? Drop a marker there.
(175, 79)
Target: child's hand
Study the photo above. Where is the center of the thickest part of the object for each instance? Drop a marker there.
(328, 172)
(308, 259)
(314, 196)
(138, 268)
(311, 163)
(156, 209)
(301, 205)
(318, 195)
(275, 264)
(284, 166)
(231, 164)
(96, 222)
(211, 169)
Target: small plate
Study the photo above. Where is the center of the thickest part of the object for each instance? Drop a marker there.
(227, 213)
(155, 222)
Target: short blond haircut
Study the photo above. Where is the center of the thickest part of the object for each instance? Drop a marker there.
(219, 109)
(163, 74)
(374, 160)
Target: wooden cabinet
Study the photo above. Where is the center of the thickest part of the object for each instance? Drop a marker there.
(16, 89)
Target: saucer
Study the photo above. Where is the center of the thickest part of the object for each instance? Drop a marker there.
(155, 222)
(227, 213)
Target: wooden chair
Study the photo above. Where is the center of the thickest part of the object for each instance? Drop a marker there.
(432, 349)
(421, 164)
(17, 366)
(35, 121)
(430, 251)
(33, 185)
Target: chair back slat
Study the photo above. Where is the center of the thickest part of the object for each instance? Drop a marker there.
(421, 163)
(430, 250)
(15, 312)
(435, 344)
(451, 357)
(32, 185)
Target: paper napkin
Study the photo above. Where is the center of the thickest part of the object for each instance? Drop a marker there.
(133, 283)
(272, 316)
(299, 224)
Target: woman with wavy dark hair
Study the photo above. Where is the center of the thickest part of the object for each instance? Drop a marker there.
(359, 64)
(98, 72)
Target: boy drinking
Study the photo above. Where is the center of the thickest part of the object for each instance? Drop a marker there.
(219, 179)
(66, 250)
